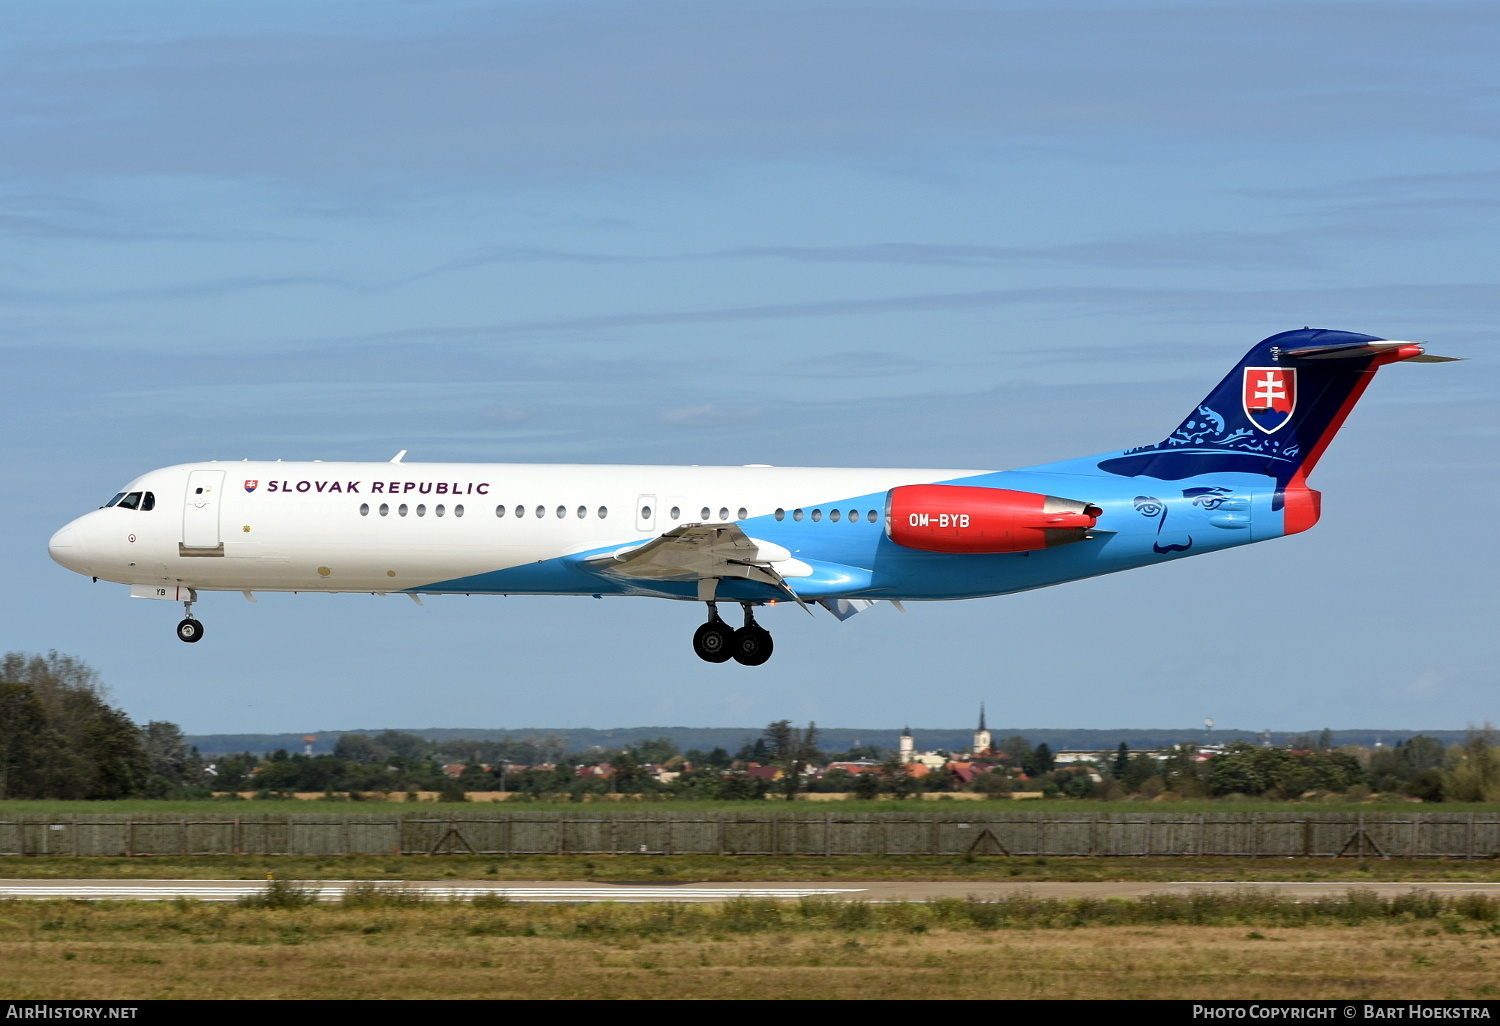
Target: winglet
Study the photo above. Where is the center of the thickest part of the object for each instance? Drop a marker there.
(397, 458)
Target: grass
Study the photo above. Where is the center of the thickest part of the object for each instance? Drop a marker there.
(741, 868)
(1221, 946)
(758, 808)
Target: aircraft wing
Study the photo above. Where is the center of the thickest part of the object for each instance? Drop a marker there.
(699, 552)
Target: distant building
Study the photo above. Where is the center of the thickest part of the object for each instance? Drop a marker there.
(908, 745)
(855, 766)
(982, 742)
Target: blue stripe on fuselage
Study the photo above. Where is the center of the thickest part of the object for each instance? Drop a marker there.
(1145, 521)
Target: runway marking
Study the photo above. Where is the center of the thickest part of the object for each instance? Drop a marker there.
(334, 891)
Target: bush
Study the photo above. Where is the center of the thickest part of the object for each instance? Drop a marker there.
(281, 894)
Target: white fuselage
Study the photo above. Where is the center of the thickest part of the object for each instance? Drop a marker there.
(386, 527)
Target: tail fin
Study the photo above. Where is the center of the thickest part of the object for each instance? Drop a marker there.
(1274, 414)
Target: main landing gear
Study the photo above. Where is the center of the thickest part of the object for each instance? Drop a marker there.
(190, 629)
(717, 642)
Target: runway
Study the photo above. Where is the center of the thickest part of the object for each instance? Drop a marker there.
(574, 892)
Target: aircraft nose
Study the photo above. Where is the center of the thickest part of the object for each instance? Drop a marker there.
(66, 549)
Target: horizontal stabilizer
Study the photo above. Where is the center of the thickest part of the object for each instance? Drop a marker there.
(1415, 352)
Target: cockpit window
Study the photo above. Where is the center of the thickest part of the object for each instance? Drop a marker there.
(111, 502)
(131, 501)
(148, 501)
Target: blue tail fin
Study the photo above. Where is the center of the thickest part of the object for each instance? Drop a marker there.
(1274, 414)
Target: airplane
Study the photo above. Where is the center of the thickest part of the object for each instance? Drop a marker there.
(1234, 472)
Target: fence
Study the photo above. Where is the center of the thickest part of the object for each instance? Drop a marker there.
(1389, 835)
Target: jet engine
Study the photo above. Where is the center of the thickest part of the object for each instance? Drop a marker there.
(956, 518)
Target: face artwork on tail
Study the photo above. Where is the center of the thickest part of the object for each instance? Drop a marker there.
(1187, 514)
(829, 538)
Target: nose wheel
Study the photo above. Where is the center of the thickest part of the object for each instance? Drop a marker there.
(715, 642)
(190, 629)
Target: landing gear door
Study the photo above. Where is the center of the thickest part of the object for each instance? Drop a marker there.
(645, 514)
(200, 514)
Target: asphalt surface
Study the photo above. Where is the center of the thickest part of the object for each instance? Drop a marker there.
(590, 891)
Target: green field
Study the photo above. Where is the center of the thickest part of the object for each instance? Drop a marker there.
(377, 945)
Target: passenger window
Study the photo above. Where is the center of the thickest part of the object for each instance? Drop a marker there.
(603, 512)
(704, 514)
(458, 510)
(817, 515)
(438, 509)
(562, 512)
(723, 512)
(364, 509)
(421, 509)
(401, 509)
(797, 515)
(833, 516)
(131, 501)
(520, 510)
(676, 513)
(111, 502)
(583, 511)
(499, 511)
(872, 516)
(645, 512)
(743, 514)
(541, 512)
(854, 516)
(385, 510)
(780, 514)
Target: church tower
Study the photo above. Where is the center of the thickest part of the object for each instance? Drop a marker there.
(982, 741)
(908, 746)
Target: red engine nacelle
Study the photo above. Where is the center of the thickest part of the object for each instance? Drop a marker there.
(955, 518)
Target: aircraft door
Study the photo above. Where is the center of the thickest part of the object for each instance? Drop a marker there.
(200, 514)
(645, 514)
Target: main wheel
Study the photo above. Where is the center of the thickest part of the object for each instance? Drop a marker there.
(190, 631)
(752, 645)
(712, 642)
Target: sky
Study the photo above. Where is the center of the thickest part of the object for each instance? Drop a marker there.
(816, 233)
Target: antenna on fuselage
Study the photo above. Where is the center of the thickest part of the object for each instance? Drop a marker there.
(397, 458)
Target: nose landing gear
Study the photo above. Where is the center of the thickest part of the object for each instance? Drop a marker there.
(715, 642)
(190, 629)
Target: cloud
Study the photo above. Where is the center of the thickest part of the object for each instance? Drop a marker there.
(1426, 684)
(707, 413)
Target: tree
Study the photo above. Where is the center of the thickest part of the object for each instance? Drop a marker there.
(866, 786)
(1142, 767)
(754, 751)
(655, 750)
(1041, 761)
(23, 740)
(1121, 761)
(363, 749)
(791, 749)
(1475, 776)
(59, 737)
(1018, 748)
